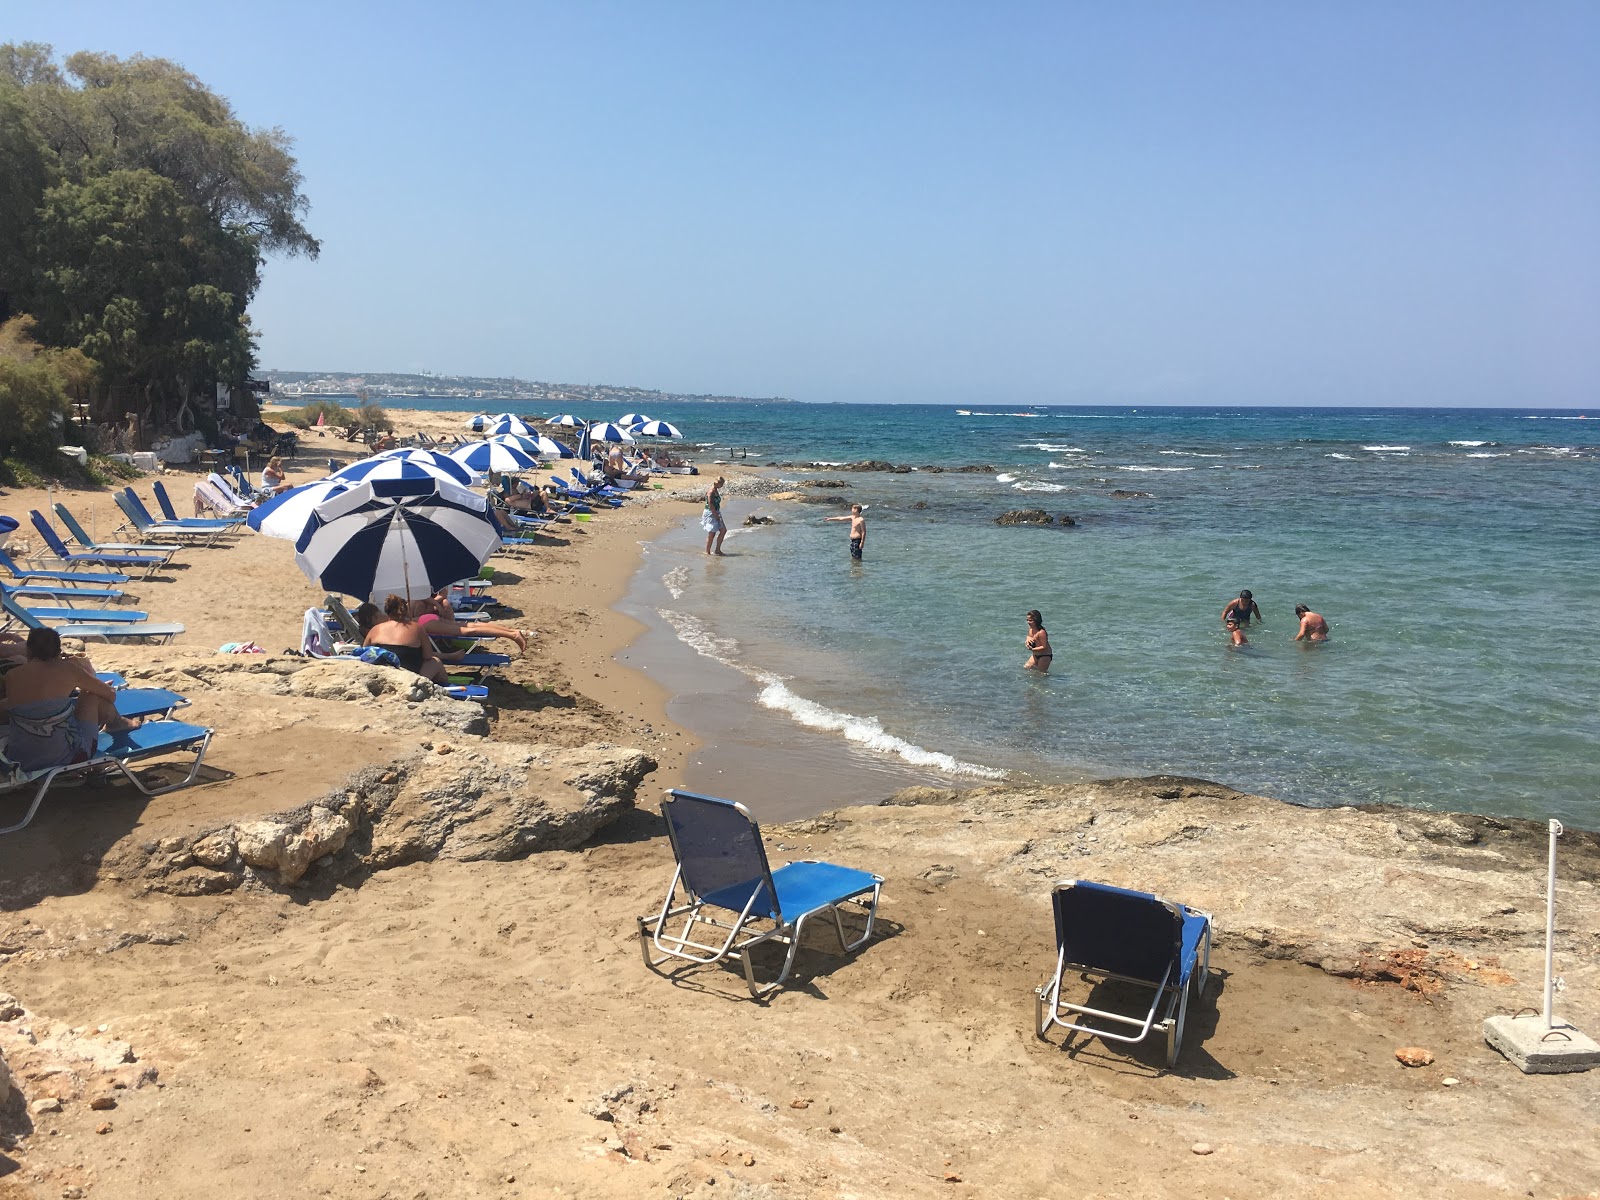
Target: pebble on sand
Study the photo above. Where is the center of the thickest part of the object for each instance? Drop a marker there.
(1414, 1056)
(1201, 1148)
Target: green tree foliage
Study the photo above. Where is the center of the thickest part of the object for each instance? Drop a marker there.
(135, 210)
(36, 387)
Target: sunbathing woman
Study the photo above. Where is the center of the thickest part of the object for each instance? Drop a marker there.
(56, 707)
(438, 615)
(406, 640)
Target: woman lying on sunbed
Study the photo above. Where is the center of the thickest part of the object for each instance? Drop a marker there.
(394, 630)
(55, 706)
(439, 618)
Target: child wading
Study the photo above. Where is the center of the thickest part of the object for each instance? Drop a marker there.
(858, 530)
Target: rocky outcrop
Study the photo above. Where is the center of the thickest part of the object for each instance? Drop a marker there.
(755, 520)
(824, 483)
(1032, 516)
(483, 800)
(54, 1066)
(1125, 494)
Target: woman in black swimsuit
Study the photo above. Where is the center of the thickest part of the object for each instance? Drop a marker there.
(1038, 643)
(406, 640)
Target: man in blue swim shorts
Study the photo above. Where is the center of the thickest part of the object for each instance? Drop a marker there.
(858, 530)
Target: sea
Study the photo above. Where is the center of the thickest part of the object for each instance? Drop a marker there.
(1454, 552)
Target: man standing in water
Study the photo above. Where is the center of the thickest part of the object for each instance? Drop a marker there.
(858, 530)
(1242, 609)
(1313, 626)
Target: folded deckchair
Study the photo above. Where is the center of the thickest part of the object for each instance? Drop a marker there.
(194, 532)
(1135, 938)
(148, 562)
(722, 866)
(64, 515)
(171, 517)
(105, 631)
(119, 750)
(9, 564)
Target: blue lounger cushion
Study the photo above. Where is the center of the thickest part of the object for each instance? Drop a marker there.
(147, 702)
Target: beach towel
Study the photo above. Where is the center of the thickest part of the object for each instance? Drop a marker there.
(240, 648)
(49, 733)
(316, 639)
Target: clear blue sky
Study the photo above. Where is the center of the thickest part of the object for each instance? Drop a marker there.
(1253, 203)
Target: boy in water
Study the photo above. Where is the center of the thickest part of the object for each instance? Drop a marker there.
(1231, 624)
(858, 530)
(1313, 626)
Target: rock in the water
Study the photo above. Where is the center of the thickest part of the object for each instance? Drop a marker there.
(1414, 1056)
(824, 483)
(1064, 519)
(1124, 494)
(1024, 516)
(755, 520)
(920, 504)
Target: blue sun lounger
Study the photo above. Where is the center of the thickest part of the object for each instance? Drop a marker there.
(148, 562)
(148, 703)
(118, 750)
(1111, 933)
(722, 866)
(76, 531)
(171, 514)
(104, 631)
(24, 575)
(61, 593)
(147, 526)
(93, 616)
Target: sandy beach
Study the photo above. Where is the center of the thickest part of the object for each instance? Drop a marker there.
(385, 947)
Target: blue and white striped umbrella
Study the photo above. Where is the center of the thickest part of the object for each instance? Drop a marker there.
(438, 458)
(287, 514)
(497, 454)
(479, 423)
(629, 420)
(655, 429)
(539, 445)
(607, 432)
(507, 423)
(402, 537)
(394, 467)
(567, 419)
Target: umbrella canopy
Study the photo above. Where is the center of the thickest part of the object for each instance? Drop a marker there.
(507, 423)
(655, 429)
(477, 423)
(497, 455)
(567, 419)
(394, 467)
(287, 514)
(629, 420)
(538, 444)
(437, 458)
(607, 432)
(403, 537)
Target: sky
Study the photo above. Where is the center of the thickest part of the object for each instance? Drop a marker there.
(1159, 203)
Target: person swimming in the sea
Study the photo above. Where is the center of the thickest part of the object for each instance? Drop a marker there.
(1235, 634)
(1242, 608)
(1038, 644)
(1313, 626)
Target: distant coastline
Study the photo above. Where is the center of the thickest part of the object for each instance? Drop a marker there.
(391, 387)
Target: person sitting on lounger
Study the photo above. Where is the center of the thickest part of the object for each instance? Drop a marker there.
(405, 639)
(56, 707)
(274, 478)
(439, 617)
(616, 466)
(527, 499)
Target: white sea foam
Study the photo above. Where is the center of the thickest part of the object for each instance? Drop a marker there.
(1388, 449)
(865, 731)
(1003, 478)
(676, 580)
(1468, 443)
(1052, 448)
(1034, 485)
(1155, 468)
(1069, 466)
(1487, 454)
(775, 694)
(1336, 454)
(1191, 454)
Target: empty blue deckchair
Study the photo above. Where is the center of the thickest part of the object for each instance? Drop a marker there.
(95, 616)
(104, 631)
(172, 517)
(147, 562)
(61, 593)
(1111, 933)
(118, 750)
(88, 543)
(24, 575)
(722, 866)
(179, 531)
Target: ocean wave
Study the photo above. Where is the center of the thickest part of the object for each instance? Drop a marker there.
(775, 694)
(1336, 454)
(1034, 485)
(864, 731)
(1191, 454)
(676, 580)
(1068, 466)
(1487, 454)
(1052, 448)
(1471, 443)
(1155, 468)
(1004, 478)
(1388, 449)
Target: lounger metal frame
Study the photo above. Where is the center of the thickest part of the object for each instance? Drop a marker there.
(682, 944)
(1170, 1001)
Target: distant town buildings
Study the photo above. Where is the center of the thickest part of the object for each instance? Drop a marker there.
(294, 385)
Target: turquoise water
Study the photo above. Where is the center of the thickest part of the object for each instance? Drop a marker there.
(1454, 552)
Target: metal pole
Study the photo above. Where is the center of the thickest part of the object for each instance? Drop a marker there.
(1550, 931)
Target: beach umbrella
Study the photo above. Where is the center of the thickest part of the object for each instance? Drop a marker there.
(656, 429)
(394, 467)
(607, 432)
(288, 513)
(567, 419)
(629, 420)
(477, 423)
(538, 444)
(422, 454)
(496, 455)
(403, 537)
(507, 423)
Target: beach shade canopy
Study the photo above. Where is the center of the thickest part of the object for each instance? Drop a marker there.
(629, 420)
(479, 423)
(507, 423)
(394, 467)
(438, 458)
(539, 445)
(287, 514)
(402, 537)
(655, 429)
(567, 419)
(608, 432)
(498, 454)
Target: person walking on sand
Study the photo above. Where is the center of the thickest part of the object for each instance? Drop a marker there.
(1235, 634)
(711, 519)
(1242, 609)
(1038, 643)
(858, 530)
(1313, 626)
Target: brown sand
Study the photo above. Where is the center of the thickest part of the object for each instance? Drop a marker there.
(463, 1030)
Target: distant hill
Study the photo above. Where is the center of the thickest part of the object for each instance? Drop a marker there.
(379, 385)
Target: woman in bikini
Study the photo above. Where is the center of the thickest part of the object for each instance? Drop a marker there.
(1038, 643)
(406, 640)
(711, 519)
(437, 613)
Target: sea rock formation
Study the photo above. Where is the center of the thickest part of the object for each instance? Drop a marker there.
(1125, 494)
(757, 520)
(1028, 516)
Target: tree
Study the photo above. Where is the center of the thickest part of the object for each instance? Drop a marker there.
(27, 168)
(36, 386)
